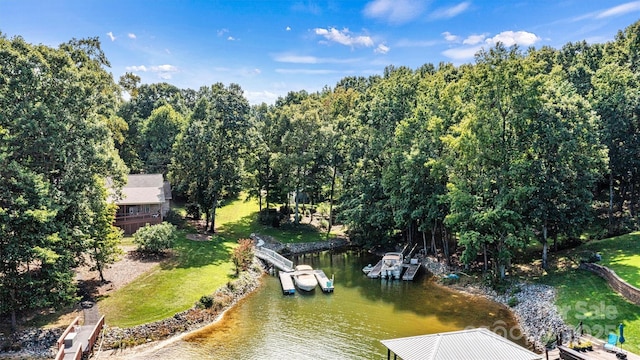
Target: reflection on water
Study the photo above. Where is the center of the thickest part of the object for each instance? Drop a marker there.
(347, 324)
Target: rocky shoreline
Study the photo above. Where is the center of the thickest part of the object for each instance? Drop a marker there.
(41, 343)
(532, 305)
(534, 309)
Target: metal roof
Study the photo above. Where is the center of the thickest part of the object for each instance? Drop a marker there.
(473, 344)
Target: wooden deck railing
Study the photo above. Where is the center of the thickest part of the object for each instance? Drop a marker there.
(95, 333)
(138, 217)
(70, 328)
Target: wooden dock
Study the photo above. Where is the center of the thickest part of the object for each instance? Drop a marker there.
(78, 340)
(287, 282)
(325, 283)
(375, 272)
(411, 272)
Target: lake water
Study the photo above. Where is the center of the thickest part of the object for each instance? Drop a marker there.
(347, 324)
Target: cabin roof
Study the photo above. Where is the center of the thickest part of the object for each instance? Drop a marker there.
(142, 189)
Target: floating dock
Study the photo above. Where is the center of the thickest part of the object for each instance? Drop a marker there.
(325, 283)
(287, 282)
(375, 272)
(412, 271)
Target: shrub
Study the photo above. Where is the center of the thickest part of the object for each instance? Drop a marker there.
(174, 218)
(193, 210)
(243, 255)
(154, 239)
(206, 301)
(513, 301)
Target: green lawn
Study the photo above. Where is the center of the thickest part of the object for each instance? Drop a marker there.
(584, 296)
(198, 268)
(239, 219)
(622, 254)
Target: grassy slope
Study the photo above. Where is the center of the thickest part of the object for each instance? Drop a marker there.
(199, 268)
(583, 296)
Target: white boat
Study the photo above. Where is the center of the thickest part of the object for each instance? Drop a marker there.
(392, 265)
(367, 269)
(304, 278)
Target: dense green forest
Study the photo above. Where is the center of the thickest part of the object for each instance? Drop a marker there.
(479, 160)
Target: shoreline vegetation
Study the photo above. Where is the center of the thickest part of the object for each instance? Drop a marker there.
(534, 305)
(535, 313)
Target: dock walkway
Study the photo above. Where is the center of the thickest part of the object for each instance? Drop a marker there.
(375, 272)
(78, 340)
(277, 260)
(286, 282)
(325, 283)
(412, 271)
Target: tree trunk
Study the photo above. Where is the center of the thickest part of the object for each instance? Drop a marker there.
(445, 243)
(545, 245)
(484, 253)
(424, 242)
(611, 202)
(333, 186)
(99, 266)
(14, 322)
(213, 213)
(433, 237)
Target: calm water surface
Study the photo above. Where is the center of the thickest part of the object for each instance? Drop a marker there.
(347, 324)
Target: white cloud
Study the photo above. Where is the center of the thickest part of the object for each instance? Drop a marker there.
(164, 68)
(131, 35)
(475, 43)
(221, 32)
(395, 11)
(164, 71)
(382, 49)
(258, 97)
(306, 71)
(231, 38)
(509, 38)
(450, 37)
(288, 28)
(416, 43)
(140, 68)
(461, 53)
(620, 10)
(449, 12)
(474, 39)
(344, 37)
(307, 59)
(110, 34)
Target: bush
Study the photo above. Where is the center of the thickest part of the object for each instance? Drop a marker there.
(243, 255)
(193, 211)
(174, 218)
(513, 301)
(206, 302)
(154, 239)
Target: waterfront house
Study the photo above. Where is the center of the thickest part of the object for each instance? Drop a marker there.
(146, 199)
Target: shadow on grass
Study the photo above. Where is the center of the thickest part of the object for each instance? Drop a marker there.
(193, 254)
(620, 253)
(287, 233)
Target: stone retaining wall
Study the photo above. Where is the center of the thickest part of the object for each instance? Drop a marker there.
(630, 292)
(301, 248)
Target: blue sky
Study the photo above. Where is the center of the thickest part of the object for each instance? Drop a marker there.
(272, 47)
